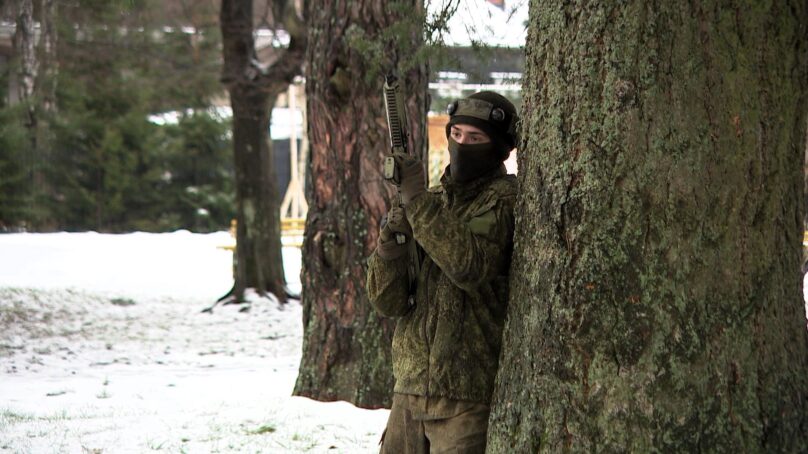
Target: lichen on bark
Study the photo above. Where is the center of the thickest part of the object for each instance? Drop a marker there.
(655, 300)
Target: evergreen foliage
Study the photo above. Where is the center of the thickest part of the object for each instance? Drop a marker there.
(104, 166)
(14, 146)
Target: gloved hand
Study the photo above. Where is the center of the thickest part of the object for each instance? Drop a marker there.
(412, 175)
(395, 222)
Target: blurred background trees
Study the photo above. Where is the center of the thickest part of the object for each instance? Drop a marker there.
(114, 117)
(117, 131)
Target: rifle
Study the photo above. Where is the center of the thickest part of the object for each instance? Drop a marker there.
(397, 126)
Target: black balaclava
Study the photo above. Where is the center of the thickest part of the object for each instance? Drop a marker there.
(470, 161)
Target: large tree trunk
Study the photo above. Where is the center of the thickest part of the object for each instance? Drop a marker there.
(655, 301)
(346, 347)
(253, 90)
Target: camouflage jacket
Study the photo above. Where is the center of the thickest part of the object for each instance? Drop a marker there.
(447, 344)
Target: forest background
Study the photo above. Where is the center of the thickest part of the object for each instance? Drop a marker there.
(91, 148)
(97, 162)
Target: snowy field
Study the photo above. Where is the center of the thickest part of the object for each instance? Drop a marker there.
(104, 349)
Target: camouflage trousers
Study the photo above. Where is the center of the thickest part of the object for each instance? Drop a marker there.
(423, 425)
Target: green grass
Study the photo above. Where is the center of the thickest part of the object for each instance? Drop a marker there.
(9, 417)
(264, 429)
(155, 445)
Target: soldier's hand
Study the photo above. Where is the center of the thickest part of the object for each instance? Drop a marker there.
(412, 175)
(395, 223)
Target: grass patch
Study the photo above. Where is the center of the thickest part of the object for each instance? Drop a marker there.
(265, 429)
(124, 302)
(154, 445)
(9, 417)
(303, 442)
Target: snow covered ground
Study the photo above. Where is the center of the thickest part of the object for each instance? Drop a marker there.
(104, 349)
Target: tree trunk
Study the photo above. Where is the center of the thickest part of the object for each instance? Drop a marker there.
(346, 347)
(49, 68)
(27, 42)
(25, 38)
(46, 83)
(258, 246)
(253, 90)
(655, 301)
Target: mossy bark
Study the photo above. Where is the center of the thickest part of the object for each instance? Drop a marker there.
(655, 288)
(346, 346)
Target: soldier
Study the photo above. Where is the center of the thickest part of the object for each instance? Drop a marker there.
(448, 335)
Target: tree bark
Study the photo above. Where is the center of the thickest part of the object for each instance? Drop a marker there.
(27, 41)
(25, 38)
(346, 347)
(49, 64)
(46, 84)
(253, 90)
(655, 289)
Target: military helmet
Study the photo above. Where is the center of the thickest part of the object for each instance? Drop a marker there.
(489, 111)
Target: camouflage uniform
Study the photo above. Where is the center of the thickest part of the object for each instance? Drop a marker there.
(446, 346)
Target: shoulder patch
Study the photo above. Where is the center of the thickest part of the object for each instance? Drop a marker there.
(484, 223)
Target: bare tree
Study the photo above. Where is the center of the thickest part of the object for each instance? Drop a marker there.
(253, 87)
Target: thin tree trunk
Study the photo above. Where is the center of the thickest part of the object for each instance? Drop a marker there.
(346, 347)
(655, 301)
(253, 91)
(49, 67)
(46, 83)
(25, 45)
(26, 37)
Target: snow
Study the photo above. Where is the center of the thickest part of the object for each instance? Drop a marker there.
(104, 348)
(805, 294)
(283, 119)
